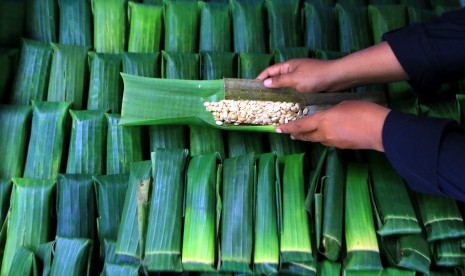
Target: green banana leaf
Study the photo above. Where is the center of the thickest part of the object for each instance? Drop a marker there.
(283, 54)
(419, 14)
(392, 271)
(87, 142)
(72, 257)
(105, 86)
(250, 65)
(284, 23)
(329, 55)
(323, 3)
(14, 134)
(164, 231)
(7, 65)
(409, 106)
(240, 143)
(42, 20)
(450, 4)
(5, 194)
(75, 22)
(24, 263)
(124, 145)
(446, 109)
(327, 267)
(75, 206)
(178, 65)
(12, 13)
(215, 27)
(153, 2)
(181, 26)
(315, 177)
(237, 215)
(386, 18)
(352, 3)
(33, 72)
(249, 29)
(145, 28)
(43, 253)
(142, 64)
(205, 140)
(266, 239)
(320, 27)
(133, 226)
(449, 253)
(68, 74)
(382, 2)
(214, 66)
(109, 25)
(388, 187)
(168, 137)
(416, 4)
(45, 150)
(284, 145)
(29, 218)
(120, 270)
(354, 28)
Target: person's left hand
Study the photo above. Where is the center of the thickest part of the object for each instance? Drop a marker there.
(348, 125)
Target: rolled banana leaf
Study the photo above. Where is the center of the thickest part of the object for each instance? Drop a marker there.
(392, 271)
(109, 25)
(215, 27)
(168, 137)
(181, 26)
(386, 18)
(68, 75)
(29, 218)
(15, 122)
(199, 244)
(315, 177)
(323, 3)
(110, 191)
(249, 29)
(42, 20)
(72, 256)
(418, 14)
(153, 2)
(45, 150)
(352, 3)
(284, 23)
(237, 214)
(449, 253)
(216, 66)
(33, 72)
(284, 145)
(250, 65)
(446, 109)
(105, 86)
(75, 206)
(441, 217)
(327, 267)
(124, 145)
(132, 230)
(409, 251)
(5, 194)
(24, 262)
(164, 231)
(12, 13)
(361, 242)
(266, 239)
(142, 64)
(120, 270)
(320, 27)
(283, 54)
(354, 30)
(388, 187)
(145, 28)
(75, 22)
(178, 65)
(240, 143)
(87, 143)
(205, 140)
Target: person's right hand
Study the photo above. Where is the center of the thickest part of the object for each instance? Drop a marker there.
(304, 75)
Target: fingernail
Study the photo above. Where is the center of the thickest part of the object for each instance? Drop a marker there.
(278, 130)
(292, 137)
(267, 82)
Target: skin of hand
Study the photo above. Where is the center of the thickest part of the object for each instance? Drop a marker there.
(348, 125)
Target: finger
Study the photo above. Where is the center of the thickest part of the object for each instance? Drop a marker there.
(306, 124)
(274, 70)
(286, 80)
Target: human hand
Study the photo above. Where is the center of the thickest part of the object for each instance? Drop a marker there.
(348, 125)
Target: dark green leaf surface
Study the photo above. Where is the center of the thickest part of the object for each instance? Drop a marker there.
(142, 64)
(145, 31)
(386, 18)
(71, 257)
(216, 66)
(24, 263)
(215, 27)
(75, 22)
(109, 25)
(449, 253)
(284, 54)
(250, 65)
(354, 28)
(205, 140)
(42, 20)
(284, 145)
(240, 143)
(181, 26)
(320, 27)
(12, 13)
(284, 23)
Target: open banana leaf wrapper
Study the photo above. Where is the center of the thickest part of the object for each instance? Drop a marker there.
(154, 101)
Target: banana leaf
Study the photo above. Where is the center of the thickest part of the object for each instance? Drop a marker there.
(68, 75)
(361, 242)
(323, 3)
(124, 145)
(249, 29)
(120, 270)
(181, 26)
(426, 5)
(441, 217)
(164, 231)
(284, 54)
(284, 23)
(327, 267)
(142, 64)
(205, 140)
(14, 134)
(329, 55)
(388, 187)
(409, 251)
(449, 253)
(109, 247)
(12, 13)
(216, 66)
(75, 206)
(109, 25)
(199, 245)
(446, 109)
(315, 177)
(105, 86)
(284, 145)
(450, 4)
(43, 253)
(178, 65)
(215, 27)
(48, 131)
(392, 271)
(24, 263)
(132, 230)
(409, 106)
(418, 14)
(168, 137)
(33, 72)
(145, 28)
(75, 22)
(250, 65)
(382, 2)
(72, 257)
(87, 143)
(110, 191)
(237, 214)
(320, 27)
(266, 242)
(42, 20)
(29, 218)
(386, 18)
(7, 69)
(5, 194)
(240, 143)
(354, 28)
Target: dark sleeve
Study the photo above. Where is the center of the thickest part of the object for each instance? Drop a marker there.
(428, 153)
(431, 53)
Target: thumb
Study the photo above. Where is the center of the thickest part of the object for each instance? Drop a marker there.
(279, 81)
